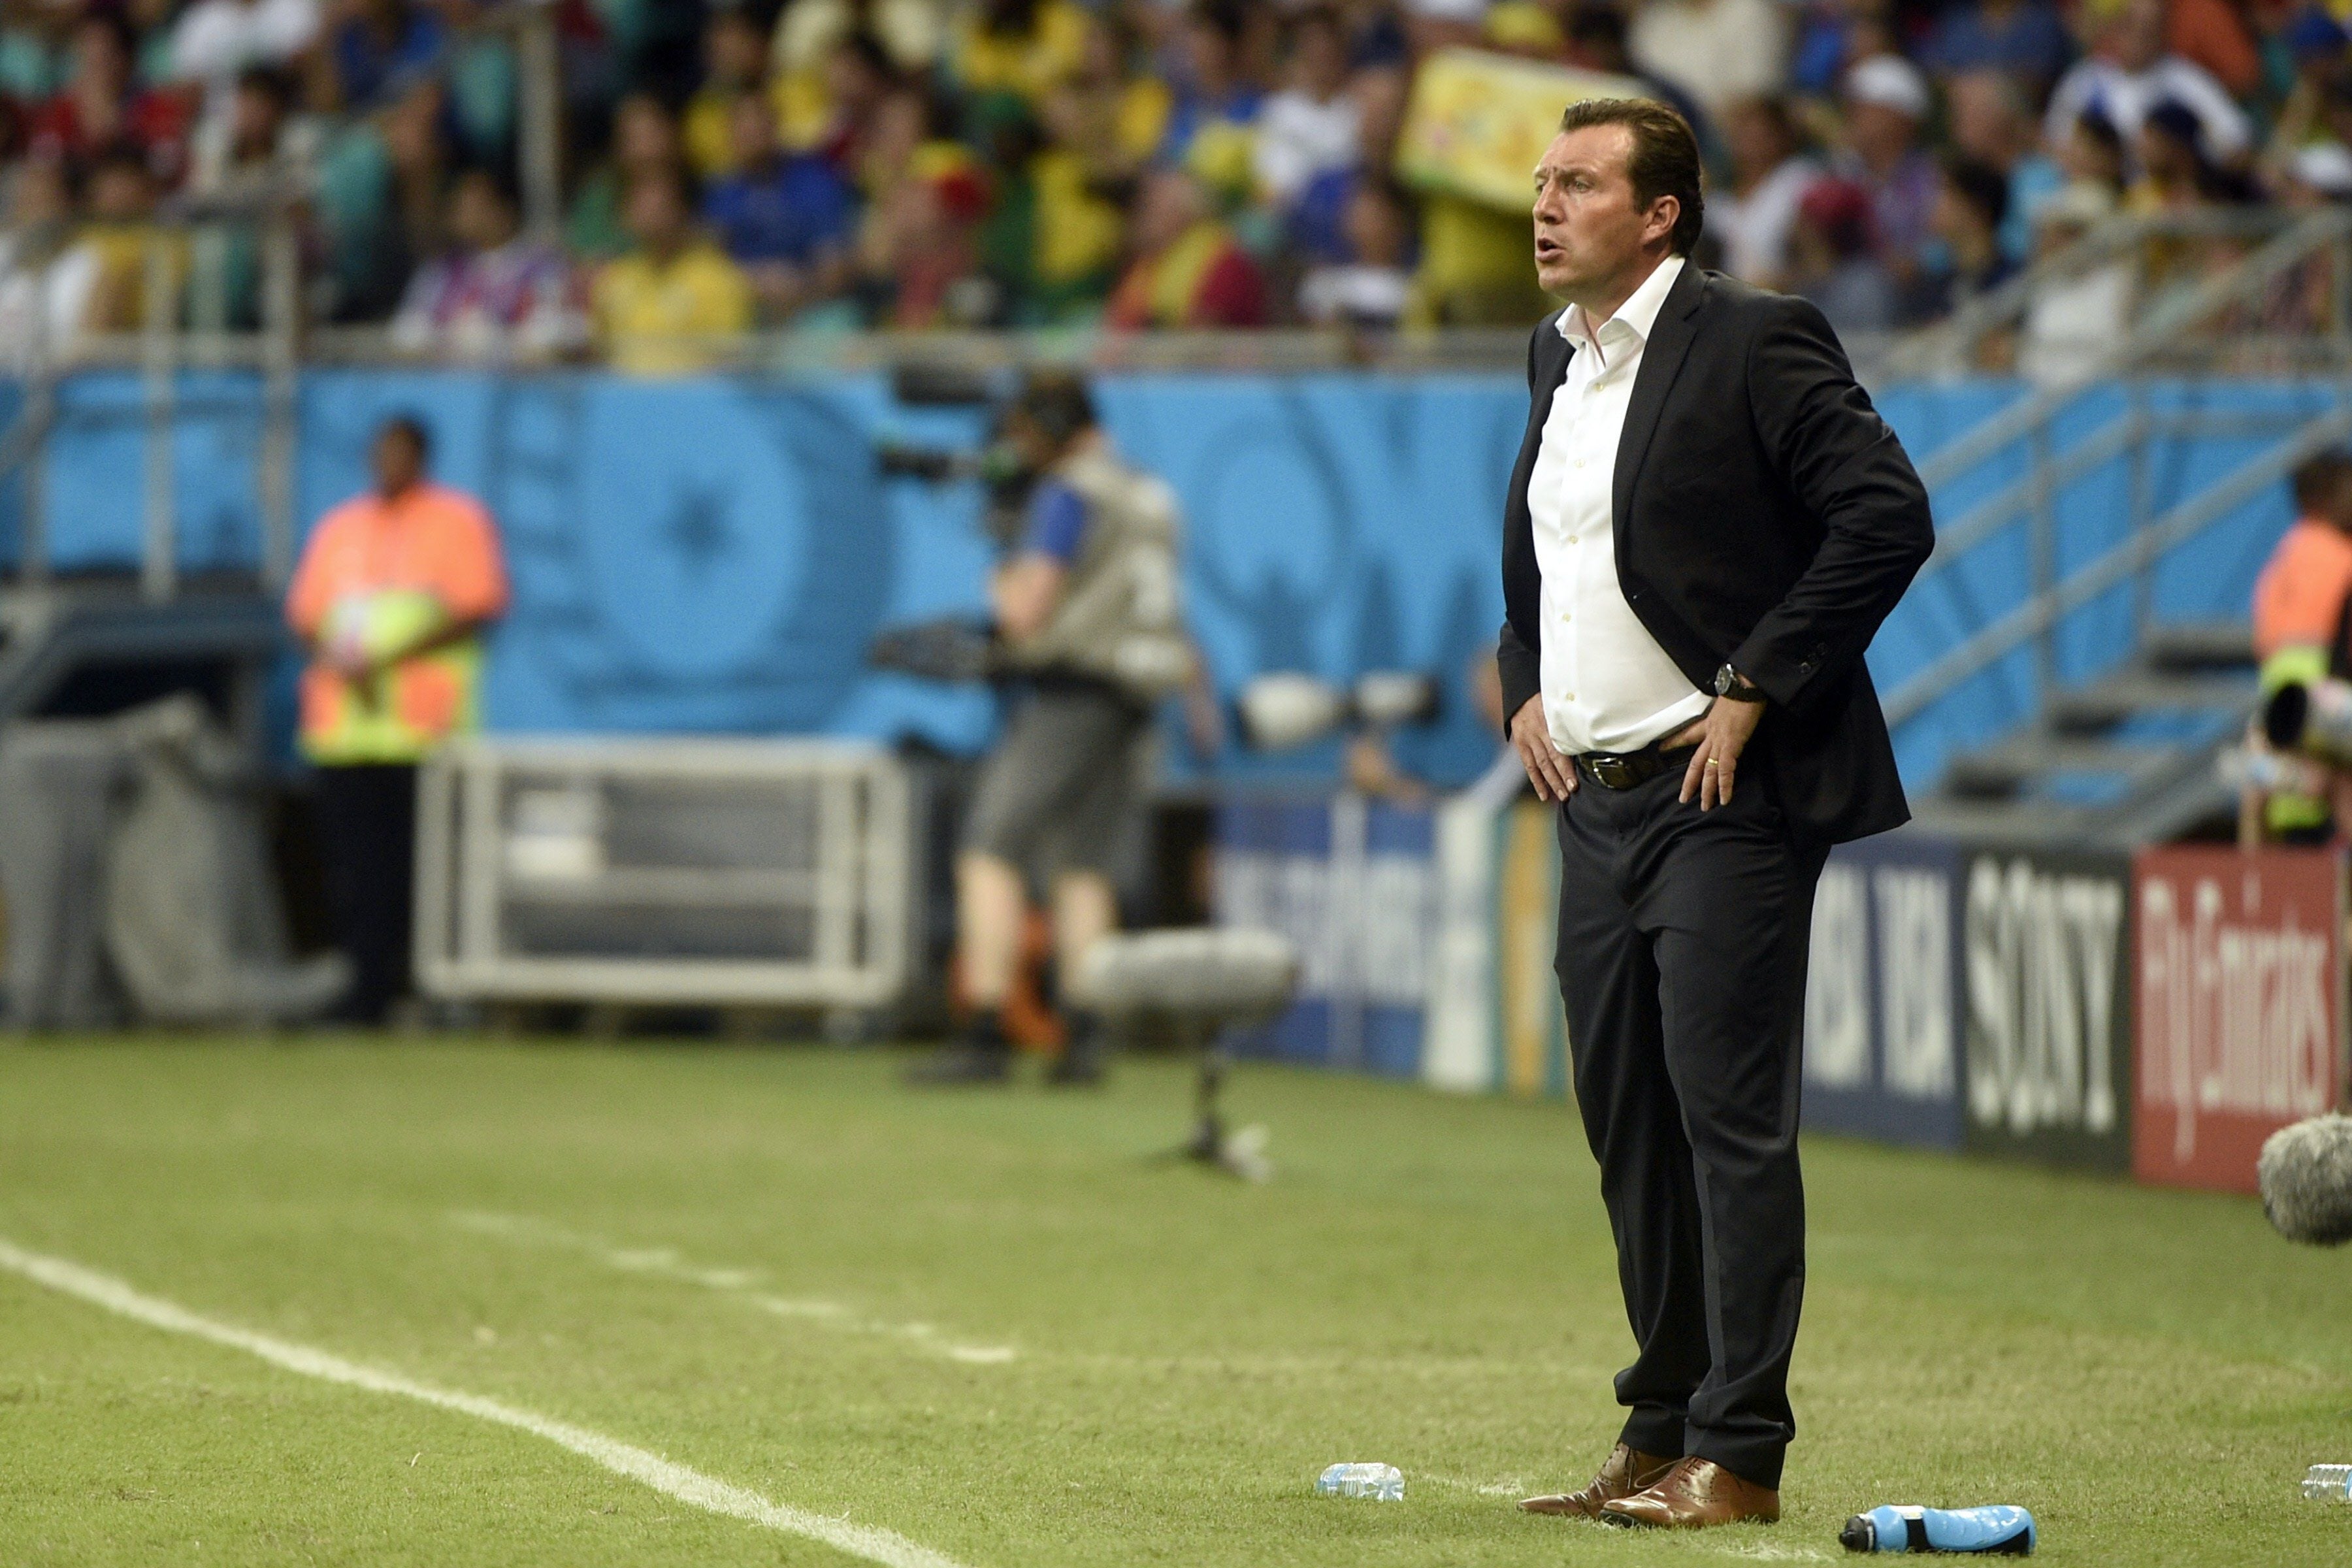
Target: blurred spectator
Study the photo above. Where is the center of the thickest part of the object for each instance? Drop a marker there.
(46, 281)
(252, 148)
(1597, 42)
(412, 126)
(391, 596)
(1101, 128)
(734, 67)
(1214, 95)
(2302, 593)
(787, 219)
(1318, 219)
(1717, 51)
(379, 44)
(217, 42)
(860, 78)
(1770, 175)
(2023, 40)
(1370, 289)
(100, 107)
(1886, 102)
(2130, 71)
(2092, 153)
(2076, 318)
(121, 232)
(1831, 263)
(1188, 270)
(919, 254)
(2175, 176)
(2212, 35)
(1832, 37)
(1989, 124)
(644, 145)
(2315, 46)
(494, 297)
(1971, 203)
(1021, 48)
(667, 307)
(911, 31)
(1310, 126)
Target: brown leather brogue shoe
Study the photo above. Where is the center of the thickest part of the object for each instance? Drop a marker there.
(1693, 1495)
(1624, 1472)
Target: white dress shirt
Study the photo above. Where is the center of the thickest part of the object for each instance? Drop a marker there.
(1607, 684)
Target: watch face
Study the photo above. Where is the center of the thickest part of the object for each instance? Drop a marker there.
(1723, 679)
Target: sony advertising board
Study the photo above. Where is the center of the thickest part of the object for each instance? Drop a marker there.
(2045, 945)
(2239, 967)
(1882, 1038)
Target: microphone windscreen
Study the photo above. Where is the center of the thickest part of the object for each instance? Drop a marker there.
(2306, 1173)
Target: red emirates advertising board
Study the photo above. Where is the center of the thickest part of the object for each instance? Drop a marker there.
(2239, 1028)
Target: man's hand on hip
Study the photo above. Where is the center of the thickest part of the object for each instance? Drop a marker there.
(1722, 734)
(1548, 768)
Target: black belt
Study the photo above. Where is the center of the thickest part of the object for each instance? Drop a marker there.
(1615, 770)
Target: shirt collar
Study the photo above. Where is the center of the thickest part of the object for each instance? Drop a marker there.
(1639, 314)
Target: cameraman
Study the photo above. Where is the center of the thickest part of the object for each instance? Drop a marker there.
(1087, 615)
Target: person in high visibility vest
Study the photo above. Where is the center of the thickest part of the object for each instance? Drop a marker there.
(390, 599)
(2303, 633)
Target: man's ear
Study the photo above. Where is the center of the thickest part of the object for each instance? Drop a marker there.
(1664, 212)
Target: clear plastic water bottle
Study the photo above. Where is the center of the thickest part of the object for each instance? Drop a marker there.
(1384, 1483)
(2328, 1483)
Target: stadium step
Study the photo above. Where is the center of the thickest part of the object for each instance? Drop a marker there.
(2121, 758)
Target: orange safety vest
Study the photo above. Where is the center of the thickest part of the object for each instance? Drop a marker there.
(380, 575)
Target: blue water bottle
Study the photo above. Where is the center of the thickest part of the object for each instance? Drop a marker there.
(2005, 1531)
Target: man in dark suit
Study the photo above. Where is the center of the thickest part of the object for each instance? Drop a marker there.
(1705, 526)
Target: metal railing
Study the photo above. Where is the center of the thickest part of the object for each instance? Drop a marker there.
(2159, 259)
(2032, 499)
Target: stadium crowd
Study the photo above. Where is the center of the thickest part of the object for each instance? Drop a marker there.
(1136, 164)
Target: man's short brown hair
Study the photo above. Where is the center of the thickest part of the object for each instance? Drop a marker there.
(1663, 162)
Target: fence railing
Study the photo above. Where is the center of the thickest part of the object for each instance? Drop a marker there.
(2032, 499)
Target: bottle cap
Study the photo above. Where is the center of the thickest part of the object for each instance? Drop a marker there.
(1859, 1534)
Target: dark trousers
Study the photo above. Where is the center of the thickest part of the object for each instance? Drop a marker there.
(367, 838)
(1683, 939)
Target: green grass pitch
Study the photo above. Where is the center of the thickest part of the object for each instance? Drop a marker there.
(780, 1268)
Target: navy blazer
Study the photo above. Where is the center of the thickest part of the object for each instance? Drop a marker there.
(1764, 516)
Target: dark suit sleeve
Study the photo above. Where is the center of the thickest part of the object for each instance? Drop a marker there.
(1522, 671)
(1848, 470)
(1521, 667)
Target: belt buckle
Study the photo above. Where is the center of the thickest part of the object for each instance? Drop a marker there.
(1610, 772)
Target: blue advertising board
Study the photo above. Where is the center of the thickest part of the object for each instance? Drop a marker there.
(1353, 882)
(1882, 1000)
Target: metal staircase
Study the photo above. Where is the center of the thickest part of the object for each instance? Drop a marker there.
(2090, 743)
(2129, 756)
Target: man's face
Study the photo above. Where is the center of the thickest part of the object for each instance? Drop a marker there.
(656, 216)
(398, 464)
(751, 133)
(1589, 227)
(479, 215)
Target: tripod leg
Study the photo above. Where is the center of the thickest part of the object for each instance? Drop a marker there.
(1209, 1140)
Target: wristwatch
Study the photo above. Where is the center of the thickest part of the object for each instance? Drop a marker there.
(1733, 687)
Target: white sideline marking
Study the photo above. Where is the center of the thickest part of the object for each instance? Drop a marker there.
(874, 1545)
(666, 1263)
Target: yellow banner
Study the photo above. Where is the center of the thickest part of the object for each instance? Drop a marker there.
(1477, 123)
